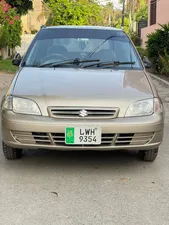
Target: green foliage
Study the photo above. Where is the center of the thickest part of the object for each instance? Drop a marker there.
(14, 34)
(126, 24)
(142, 12)
(34, 31)
(136, 39)
(10, 26)
(158, 46)
(3, 37)
(6, 66)
(90, 12)
(165, 63)
(134, 11)
(22, 6)
(142, 52)
(109, 15)
(79, 12)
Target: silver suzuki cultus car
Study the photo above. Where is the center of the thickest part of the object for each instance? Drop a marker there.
(81, 88)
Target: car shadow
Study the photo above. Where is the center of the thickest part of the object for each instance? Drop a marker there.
(79, 160)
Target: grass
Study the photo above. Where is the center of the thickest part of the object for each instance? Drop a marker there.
(7, 67)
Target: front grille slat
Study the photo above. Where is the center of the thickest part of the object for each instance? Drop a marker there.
(127, 137)
(140, 139)
(65, 112)
(92, 113)
(107, 139)
(133, 139)
(59, 138)
(60, 141)
(106, 142)
(45, 141)
(101, 112)
(39, 138)
(124, 141)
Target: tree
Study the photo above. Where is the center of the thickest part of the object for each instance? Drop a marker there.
(136, 39)
(108, 12)
(135, 10)
(10, 26)
(45, 13)
(158, 46)
(143, 12)
(134, 4)
(90, 12)
(22, 6)
(78, 12)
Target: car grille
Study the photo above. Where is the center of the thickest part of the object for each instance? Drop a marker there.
(133, 139)
(32, 137)
(87, 113)
(58, 139)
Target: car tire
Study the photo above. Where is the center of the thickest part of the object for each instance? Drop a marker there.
(149, 155)
(11, 153)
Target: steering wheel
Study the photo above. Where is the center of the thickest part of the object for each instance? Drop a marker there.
(54, 56)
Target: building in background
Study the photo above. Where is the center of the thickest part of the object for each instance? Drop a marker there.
(31, 21)
(158, 13)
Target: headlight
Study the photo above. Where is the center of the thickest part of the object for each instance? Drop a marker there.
(141, 108)
(7, 103)
(21, 105)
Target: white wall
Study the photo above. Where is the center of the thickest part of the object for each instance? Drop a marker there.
(26, 41)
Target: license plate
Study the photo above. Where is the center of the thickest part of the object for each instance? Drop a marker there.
(83, 135)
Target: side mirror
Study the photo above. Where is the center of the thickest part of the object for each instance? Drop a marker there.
(17, 59)
(146, 62)
(146, 65)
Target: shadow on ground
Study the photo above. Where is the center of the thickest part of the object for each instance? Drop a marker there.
(77, 160)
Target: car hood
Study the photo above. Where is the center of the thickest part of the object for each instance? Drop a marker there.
(82, 87)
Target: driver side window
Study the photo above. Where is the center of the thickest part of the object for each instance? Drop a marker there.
(38, 52)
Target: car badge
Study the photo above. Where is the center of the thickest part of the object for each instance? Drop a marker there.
(83, 113)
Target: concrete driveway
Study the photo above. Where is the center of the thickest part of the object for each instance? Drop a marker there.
(86, 188)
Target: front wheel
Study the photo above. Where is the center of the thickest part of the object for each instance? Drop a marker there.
(11, 153)
(149, 155)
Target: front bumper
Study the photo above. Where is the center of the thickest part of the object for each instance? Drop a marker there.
(137, 133)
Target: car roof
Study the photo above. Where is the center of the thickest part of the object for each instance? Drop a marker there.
(83, 27)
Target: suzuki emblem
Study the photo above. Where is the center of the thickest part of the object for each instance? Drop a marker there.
(83, 113)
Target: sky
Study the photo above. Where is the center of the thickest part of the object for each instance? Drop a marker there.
(116, 2)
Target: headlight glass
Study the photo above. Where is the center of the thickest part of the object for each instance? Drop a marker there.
(25, 106)
(21, 105)
(141, 108)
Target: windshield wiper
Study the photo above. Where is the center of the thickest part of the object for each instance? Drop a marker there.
(71, 61)
(97, 47)
(113, 63)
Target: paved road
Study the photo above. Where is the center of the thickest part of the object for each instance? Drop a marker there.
(84, 188)
(5, 80)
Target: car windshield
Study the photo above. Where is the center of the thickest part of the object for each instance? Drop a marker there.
(52, 46)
